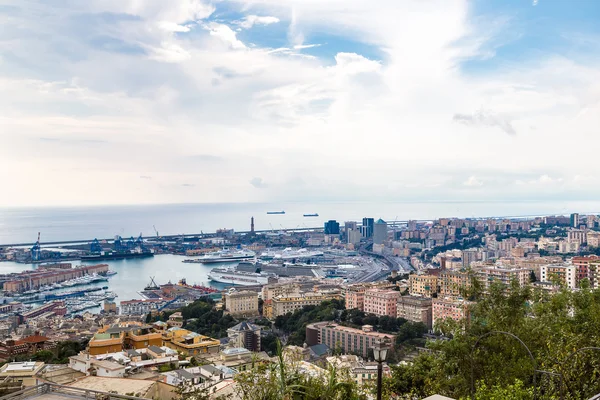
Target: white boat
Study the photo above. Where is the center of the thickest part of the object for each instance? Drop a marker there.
(290, 254)
(223, 256)
(241, 278)
(110, 273)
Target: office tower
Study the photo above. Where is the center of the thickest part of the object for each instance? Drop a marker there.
(379, 232)
(332, 227)
(367, 227)
(575, 220)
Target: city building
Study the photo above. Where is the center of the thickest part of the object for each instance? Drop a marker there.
(121, 336)
(452, 283)
(245, 335)
(468, 257)
(284, 289)
(578, 236)
(380, 232)
(348, 340)
(283, 305)
(332, 227)
(21, 374)
(565, 274)
(189, 343)
(367, 227)
(175, 319)
(489, 274)
(415, 309)
(355, 297)
(574, 220)
(422, 285)
(243, 303)
(381, 302)
(450, 307)
(140, 307)
(34, 279)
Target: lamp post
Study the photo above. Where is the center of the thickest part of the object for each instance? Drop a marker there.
(380, 350)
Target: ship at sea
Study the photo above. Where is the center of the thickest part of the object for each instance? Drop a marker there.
(233, 277)
(275, 212)
(123, 249)
(311, 215)
(223, 256)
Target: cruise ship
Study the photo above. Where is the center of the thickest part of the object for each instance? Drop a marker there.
(234, 277)
(223, 257)
(290, 254)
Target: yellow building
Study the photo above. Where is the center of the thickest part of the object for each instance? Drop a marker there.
(452, 282)
(244, 303)
(189, 343)
(284, 305)
(422, 285)
(123, 336)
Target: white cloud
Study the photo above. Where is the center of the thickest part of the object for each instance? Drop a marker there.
(173, 27)
(305, 46)
(137, 90)
(473, 181)
(535, 2)
(250, 20)
(226, 34)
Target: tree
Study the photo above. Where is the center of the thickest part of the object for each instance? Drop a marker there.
(44, 355)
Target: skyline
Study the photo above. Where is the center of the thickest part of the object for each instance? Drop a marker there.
(257, 101)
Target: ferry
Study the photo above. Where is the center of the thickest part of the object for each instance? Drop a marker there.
(240, 278)
(223, 257)
(311, 215)
(275, 212)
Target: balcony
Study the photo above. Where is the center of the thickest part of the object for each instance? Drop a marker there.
(50, 391)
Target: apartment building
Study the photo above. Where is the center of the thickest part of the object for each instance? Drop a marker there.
(415, 309)
(283, 305)
(189, 343)
(243, 303)
(566, 274)
(587, 267)
(450, 307)
(422, 285)
(280, 289)
(349, 340)
(577, 235)
(124, 335)
(489, 274)
(140, 307)
(355, 297)
(451, 283)
(593, 239)
(381, 302)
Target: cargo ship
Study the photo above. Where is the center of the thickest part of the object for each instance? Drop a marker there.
(223, 257)
(117, 255)
(233, 277)
(275, 212)
(311, 215)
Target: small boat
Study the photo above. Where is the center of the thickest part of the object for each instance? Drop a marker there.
(311, 215)
(275, 212)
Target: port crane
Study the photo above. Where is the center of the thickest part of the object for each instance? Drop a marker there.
(154, 227)
(36, 250)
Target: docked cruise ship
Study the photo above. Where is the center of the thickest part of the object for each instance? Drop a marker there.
(290, 254)
(241, 278)
(223, 257)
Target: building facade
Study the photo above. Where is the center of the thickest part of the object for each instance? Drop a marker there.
(415, 309)
(283, 305)
(450, 307)
(349, 340)
(422, 285)
(243, 303)
(565, 274)
(381, 302)
(380, 231)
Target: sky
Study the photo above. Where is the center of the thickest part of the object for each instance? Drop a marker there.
(184, 101)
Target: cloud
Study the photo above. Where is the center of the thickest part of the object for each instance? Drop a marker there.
(535, 3)
(258, 183)
(486, 118)
(173, 27)
(250, 20)
(305, 46)
(472, 181)
(226, 34)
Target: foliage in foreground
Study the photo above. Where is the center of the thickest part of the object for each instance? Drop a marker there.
(552, 326)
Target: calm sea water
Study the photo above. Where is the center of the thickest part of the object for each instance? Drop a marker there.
(134, 274)
(54, 224)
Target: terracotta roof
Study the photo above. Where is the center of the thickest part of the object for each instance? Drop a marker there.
(34, 339)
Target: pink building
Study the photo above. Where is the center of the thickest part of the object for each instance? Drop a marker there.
(355, 297)
(450, 307)
(381, 302)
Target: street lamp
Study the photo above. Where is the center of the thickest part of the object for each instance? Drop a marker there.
(380, 350)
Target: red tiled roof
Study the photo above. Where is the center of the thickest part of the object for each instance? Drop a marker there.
(34, 339)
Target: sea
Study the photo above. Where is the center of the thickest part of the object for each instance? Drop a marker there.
(21, 225)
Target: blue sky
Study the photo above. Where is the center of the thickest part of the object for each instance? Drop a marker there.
(121, 101)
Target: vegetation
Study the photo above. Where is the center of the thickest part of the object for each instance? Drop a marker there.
(59, 355)
(552, 326)
(293, 325)
(201, 317)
